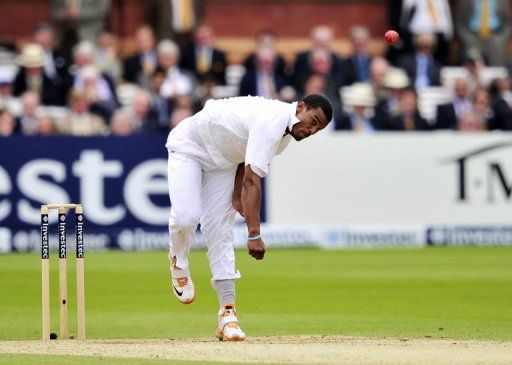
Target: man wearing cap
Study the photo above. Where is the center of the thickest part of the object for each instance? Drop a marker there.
(217, 159)
(31, 77)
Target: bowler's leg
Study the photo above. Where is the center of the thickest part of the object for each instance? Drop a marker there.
(185, 177)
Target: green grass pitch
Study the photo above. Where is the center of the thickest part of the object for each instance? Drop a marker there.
(459, 293)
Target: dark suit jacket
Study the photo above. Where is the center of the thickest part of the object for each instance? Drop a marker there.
(52, 92)
(217, 70)
(248, 85)
(132, 67)
(502, 115)
(446, 117)
(352, 73)
(160, 17)
(409, 64)
(420, 124)
(344, 122)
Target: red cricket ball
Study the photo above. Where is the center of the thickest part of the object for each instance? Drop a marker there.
(391, 37)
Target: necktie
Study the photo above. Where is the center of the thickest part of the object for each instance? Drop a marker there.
(187, 15)
(147, 65)
(485, 12)
(409, 123)
(432, 11)
(202, 61)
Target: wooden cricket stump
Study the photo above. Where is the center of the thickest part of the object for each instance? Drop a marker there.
(45, 269)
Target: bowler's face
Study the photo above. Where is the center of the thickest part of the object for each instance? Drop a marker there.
(310, 122)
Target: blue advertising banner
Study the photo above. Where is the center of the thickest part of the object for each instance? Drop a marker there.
(121, 182)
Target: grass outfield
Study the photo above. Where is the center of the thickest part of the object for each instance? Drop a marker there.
(459, 293)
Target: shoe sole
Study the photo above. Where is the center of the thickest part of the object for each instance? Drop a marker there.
(188, 302)
(220, 335)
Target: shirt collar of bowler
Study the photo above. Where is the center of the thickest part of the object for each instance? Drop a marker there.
(293, 117)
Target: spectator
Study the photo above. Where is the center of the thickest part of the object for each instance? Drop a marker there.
(159, 104)
(176, 19)
(421, 67)
(396, 82)
(80, 121)
(409, 117)
(485, 25)
(478, 119)
(79, 20)
(263, 81)
(414, 17)
(318, 84)
(7, 124)
(322, 37)
(143, 117)
(106, 56)
(55, 64)
(379, 68)
(28, 121)
(177, 82)
(201, 58)
(46, 125)
(360, 103)
(138, 68)
(501, 97)
(475, 65)
(121, 123)
(358, 64)
(7, 99)
(31, 77)
(266, 38)
(448, 114)
(179, 115)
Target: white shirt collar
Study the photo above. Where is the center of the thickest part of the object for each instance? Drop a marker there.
(293, 118)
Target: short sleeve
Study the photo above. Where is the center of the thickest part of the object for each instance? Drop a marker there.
(261, 147)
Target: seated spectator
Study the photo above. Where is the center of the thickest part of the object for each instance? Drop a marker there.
(98, 90)
(8, 125)
(358, 64)
(28, 121)
(138, 68)
(263, 81)
(46, 126)
(317, 84)
(7, 99)
(360, 116)
(469, 123)
(121, 123)
(80, 121)
(201, 58)
(480, 116)
(106, 56)
(409, 117)
(159, 104)
(266, 38)
(395, 83)
(178, 115)
(143, 117)
(55, 64)
(379, 68)
(448, 114)
(474, 64)
(31, 77)
(422, 68)
(177, 82)
(322, 37)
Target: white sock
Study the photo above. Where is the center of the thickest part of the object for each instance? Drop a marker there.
(225, 291)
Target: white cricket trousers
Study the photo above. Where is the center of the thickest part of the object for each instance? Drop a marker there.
(199, 196)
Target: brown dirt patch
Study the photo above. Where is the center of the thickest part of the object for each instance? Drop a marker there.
(282, 350)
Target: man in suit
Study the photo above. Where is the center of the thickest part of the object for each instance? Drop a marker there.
(409, 117)
(266, 38)
(141, 66)
(485, 25)
(358, 64)
(322, 36)
(422, 69)
(263, 81)
(31, 77)
(175, 19)
(448, 114)
(205, 61)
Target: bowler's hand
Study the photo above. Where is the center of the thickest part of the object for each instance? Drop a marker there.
(256, 249)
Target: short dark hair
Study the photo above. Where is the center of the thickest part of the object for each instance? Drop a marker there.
(314, 101)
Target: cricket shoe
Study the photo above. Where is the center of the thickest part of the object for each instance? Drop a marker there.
(228, 328)
(182, 284)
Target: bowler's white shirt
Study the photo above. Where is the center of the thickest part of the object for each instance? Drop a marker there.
(230, 131)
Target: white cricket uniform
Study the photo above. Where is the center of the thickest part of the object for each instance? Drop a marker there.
(204, 153)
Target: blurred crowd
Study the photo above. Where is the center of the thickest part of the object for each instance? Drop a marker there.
(69, 77)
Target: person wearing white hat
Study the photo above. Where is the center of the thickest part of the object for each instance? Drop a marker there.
(31, 77)
(360, 101)
(395, 82)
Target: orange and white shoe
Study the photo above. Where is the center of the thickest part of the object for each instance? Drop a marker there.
(228, 328)
(182, 284)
